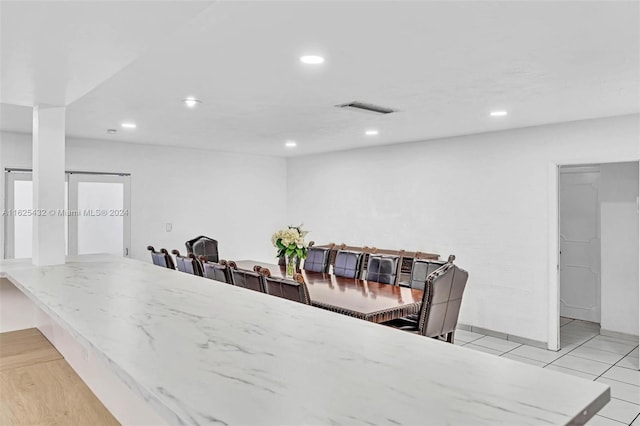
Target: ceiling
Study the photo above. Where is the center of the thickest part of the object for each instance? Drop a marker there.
(444, 66)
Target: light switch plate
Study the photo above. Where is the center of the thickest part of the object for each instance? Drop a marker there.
(168, 227)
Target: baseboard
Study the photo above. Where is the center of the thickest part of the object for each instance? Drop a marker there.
(537, 343)
(504, 336)
(619, 335)
(529, 342)
(488, 332)
(464, 327)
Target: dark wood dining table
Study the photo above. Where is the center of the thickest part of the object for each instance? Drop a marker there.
(367, 300)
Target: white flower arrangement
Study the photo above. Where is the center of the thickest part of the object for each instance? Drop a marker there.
(290, 242)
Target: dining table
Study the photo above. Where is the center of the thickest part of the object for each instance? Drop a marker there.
(367, 300)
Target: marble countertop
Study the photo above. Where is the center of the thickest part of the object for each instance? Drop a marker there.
(203, 352)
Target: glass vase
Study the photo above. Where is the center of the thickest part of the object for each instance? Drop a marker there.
(291, 265)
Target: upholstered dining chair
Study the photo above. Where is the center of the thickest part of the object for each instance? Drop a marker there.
(441, 301)
(245, 278)
(203, 246)
(317, 260)
(293, 289)
(347, 264)
(161, 258)
(216, 271)
(382, 269)
(188, 263)
(421, 269)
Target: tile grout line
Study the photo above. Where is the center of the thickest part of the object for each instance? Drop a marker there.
(622, 423)
(569, 352)
(497, 350)
(612, 397)
(510, 350)
(603, 373)
(617, 421)
(568, 368)
(583, 343)
(561, 356)
(614, 366)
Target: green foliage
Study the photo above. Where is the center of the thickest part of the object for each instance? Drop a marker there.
(290, 242)
(291, 249)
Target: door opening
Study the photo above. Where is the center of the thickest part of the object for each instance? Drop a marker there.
(598, 247)
(579, 254)
(579, 236)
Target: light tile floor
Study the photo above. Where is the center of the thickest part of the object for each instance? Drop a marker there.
(585, 353)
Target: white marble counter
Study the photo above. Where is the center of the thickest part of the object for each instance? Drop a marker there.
(203, 352)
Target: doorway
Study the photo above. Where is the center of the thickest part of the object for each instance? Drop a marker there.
(597, 256)
(97, 215)
(579, 236)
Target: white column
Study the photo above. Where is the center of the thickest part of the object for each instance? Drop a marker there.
(48, 184)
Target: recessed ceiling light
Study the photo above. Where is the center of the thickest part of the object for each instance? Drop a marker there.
(311, 59)
(371, 132)
(129, 125)
(191, 101)
(111, 131)
(290, 144)
(498, 113)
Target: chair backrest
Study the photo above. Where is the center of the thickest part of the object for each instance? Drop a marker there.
(421, 269)
(188, 263)
(441, 301)
(382, 269)
(216, 271)
(203, 246)
(347, 264)
(161, 258)
(317, 260)
(245, 278)
(294, 289)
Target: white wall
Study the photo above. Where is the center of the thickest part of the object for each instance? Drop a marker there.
(483, 197)
(237, 199)
(619, 231)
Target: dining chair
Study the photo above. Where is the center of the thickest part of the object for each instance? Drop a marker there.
(245, 278)
(441, 301)
(188, 263)
(292, 289)
(421, 269)
(347, 264)
(161, 258)
(317, 260)
(382, 269)
(203, 246)
(215, 271)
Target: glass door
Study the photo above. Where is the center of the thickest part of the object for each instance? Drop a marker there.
(97, 214)
(100, 222)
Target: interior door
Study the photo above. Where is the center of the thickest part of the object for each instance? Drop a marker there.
(102, 223)
(96, 218)
(580, 243)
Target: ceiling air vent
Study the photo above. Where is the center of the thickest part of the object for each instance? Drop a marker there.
(364, 107)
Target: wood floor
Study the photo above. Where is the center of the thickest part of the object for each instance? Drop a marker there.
(38, 387)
